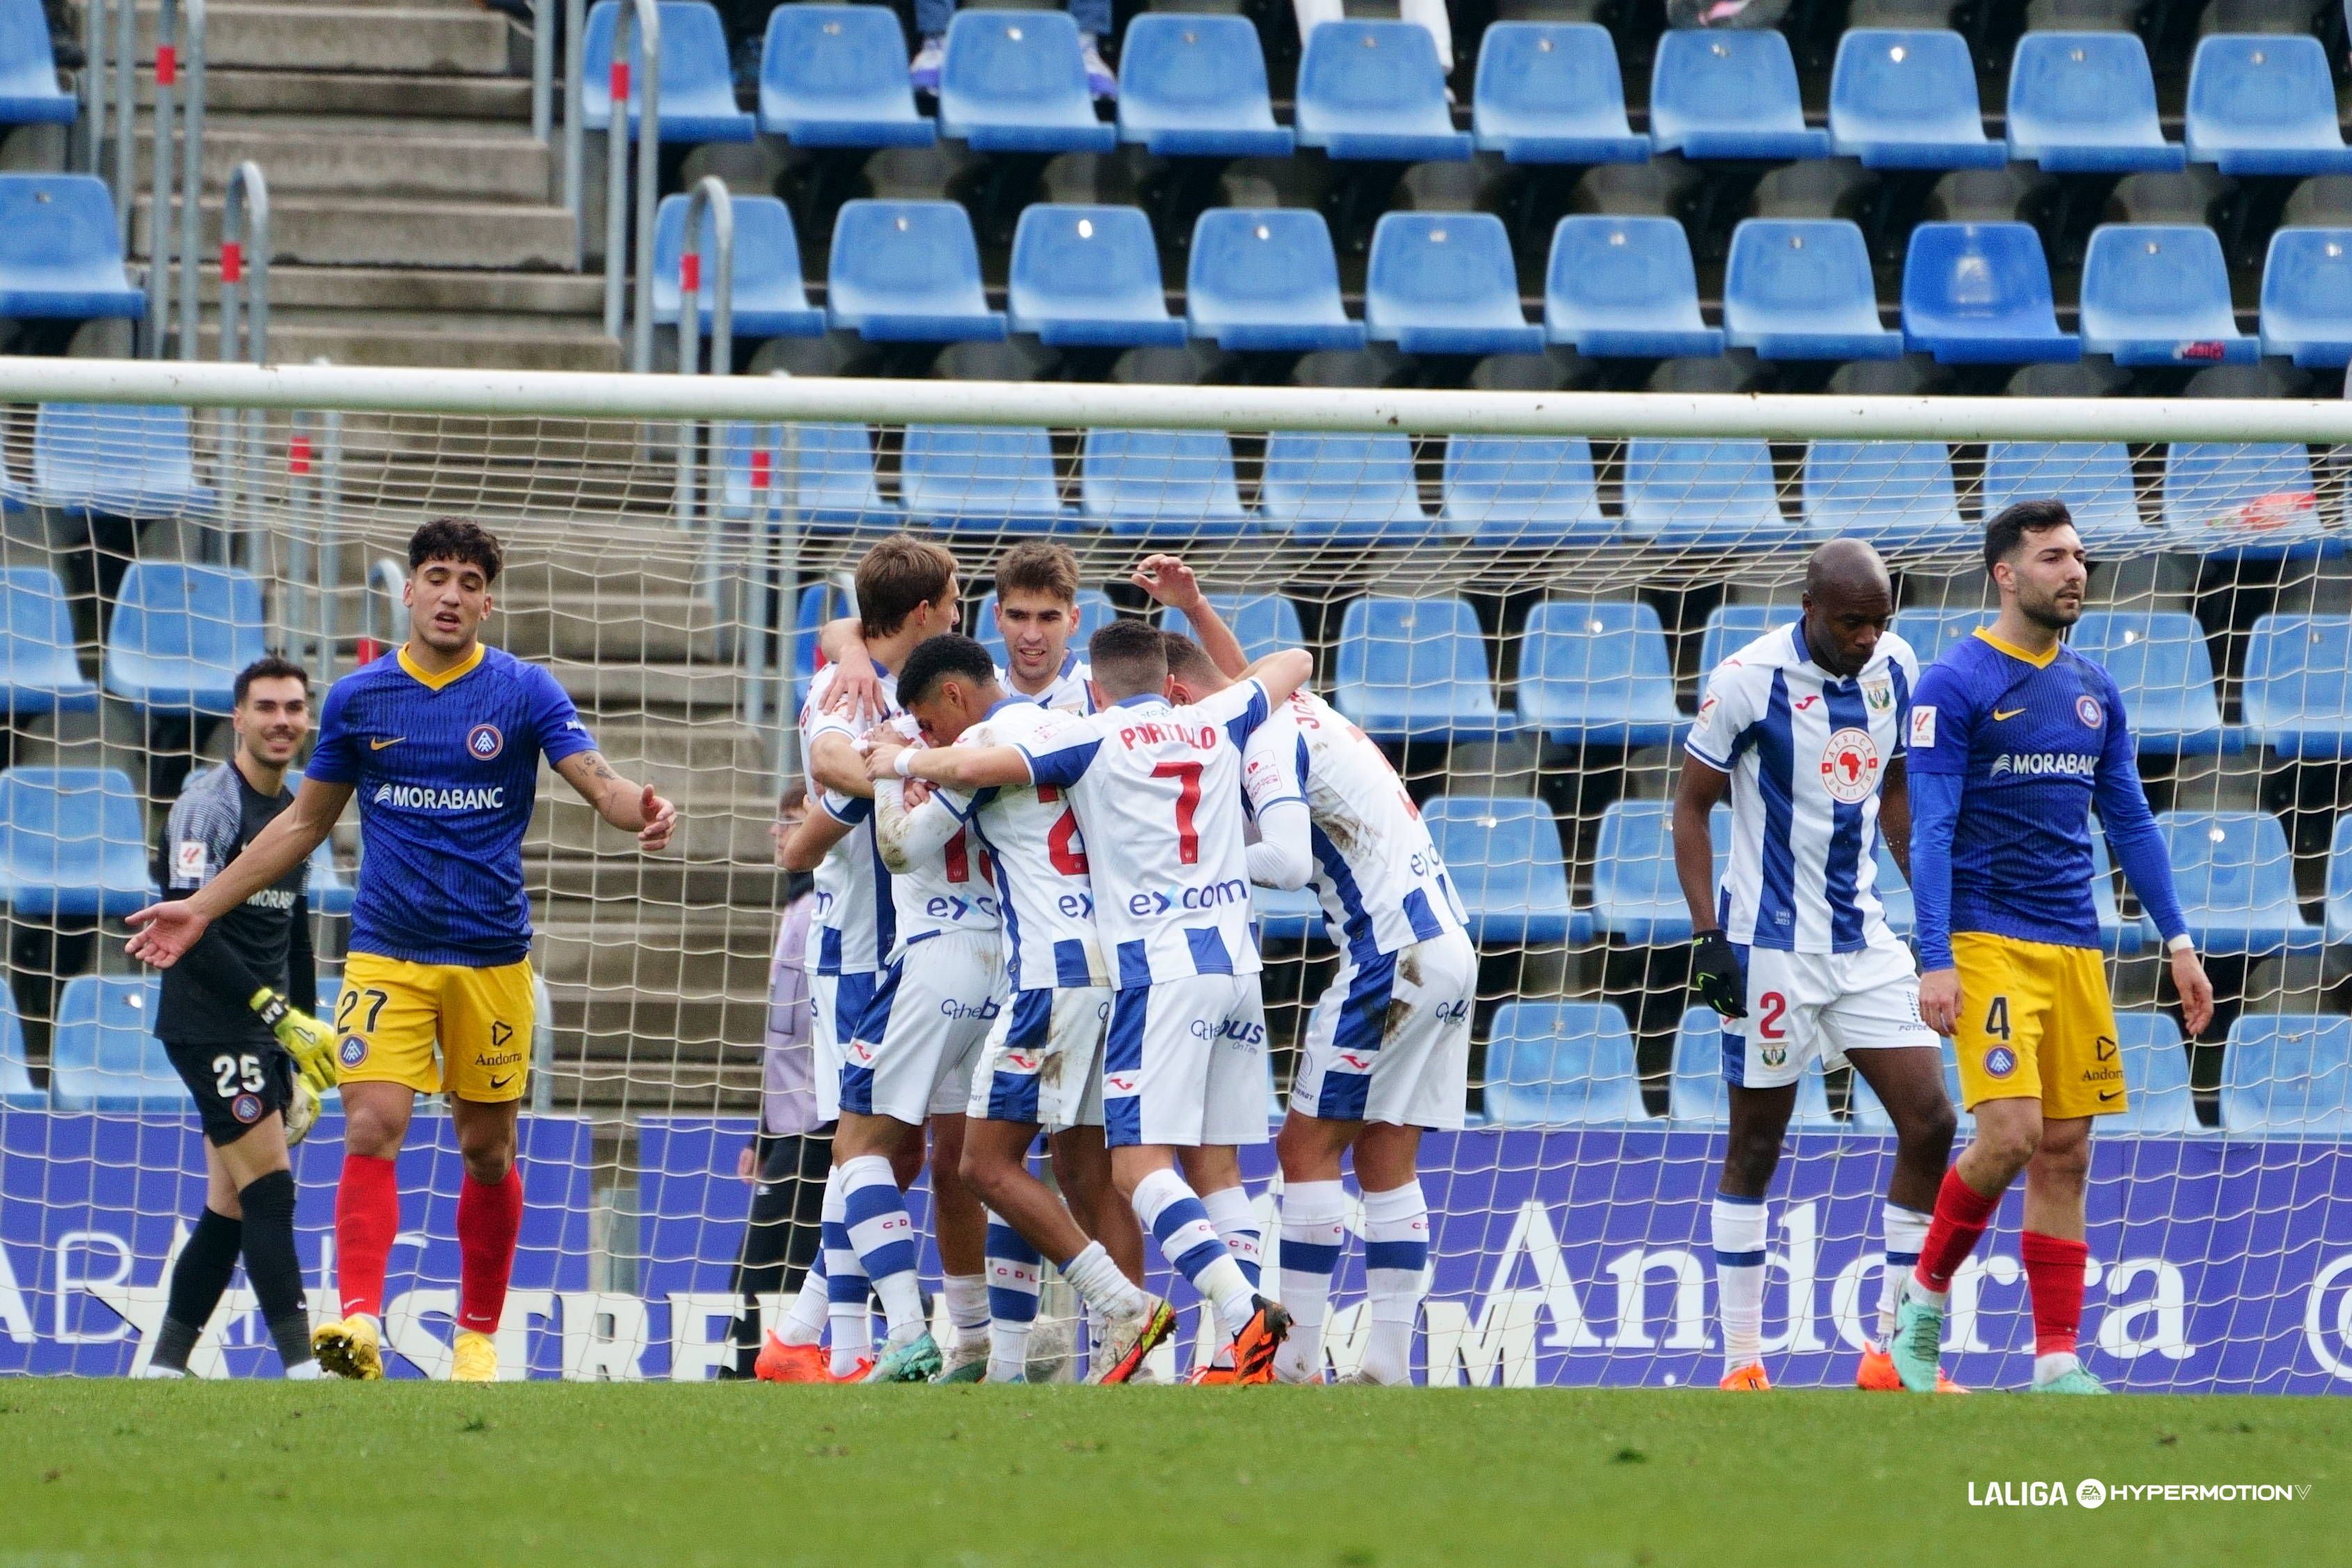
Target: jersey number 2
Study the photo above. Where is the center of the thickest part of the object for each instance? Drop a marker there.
(1187, 797)
(1773, 1008)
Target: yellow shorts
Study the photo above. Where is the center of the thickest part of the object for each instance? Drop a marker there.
(392, 1013)
(2036, 1023)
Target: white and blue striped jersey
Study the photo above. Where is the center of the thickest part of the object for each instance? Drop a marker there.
(1045, 892)
(856, 925)
(944, 882)
(1071, 690)
(1807, 751)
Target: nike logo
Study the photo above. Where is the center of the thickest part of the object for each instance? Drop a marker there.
(2111, 1094)
(2012, 713)
(502, 1082)
(376, 745)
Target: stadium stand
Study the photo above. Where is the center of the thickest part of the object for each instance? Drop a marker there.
(697, 86)
(38, 671)
(1596, 675)
(2297, 687)
(1267, 279)
(18, 1090)
(907, 272)
(2086, 102)
(1444, 283)
(1636, 898)
(1899, 495)
(1089, 275)
(1144, 481)
(1624, 286)
(73, 844)
(1373, 89)
(179, 635)
(1536, 491)
(835, 76)
(29, 91)
(1503, 858)
(1712, 495)
(1550, 92)
(2094, 478)
(2236, 883)
(2306, 301)
(769, 298)
(2159, 662)
(972, 477)
(104, 1057)
(1728, 95)
(1416, 669)
(1360, 489)
(2156, 1068)
(61, 250)
(1562, 1064)
(2159, 294)
(1980, 294)
(1014, 81)
(112, 460)
(1194, 85)
(2254, 499)
(2288, 1076)
(1802, 289)
(1906, 99)
(826, 469)
(2264, 105)
(1261, 623)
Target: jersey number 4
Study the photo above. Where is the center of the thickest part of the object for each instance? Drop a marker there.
(1061, 841)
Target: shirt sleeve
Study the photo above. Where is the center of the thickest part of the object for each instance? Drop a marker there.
(1940, 733)
(1725, 713)
(2133, 836)
(334, 756)
(1061, 757)
(1935, 814)
(1281, 857)
(199, 840)
(906, 836)
(1903, 670)
(1273, 765)
(560, 732)
(1239, 710)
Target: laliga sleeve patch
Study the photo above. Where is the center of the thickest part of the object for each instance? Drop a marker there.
(188, 860)
(1923, 728)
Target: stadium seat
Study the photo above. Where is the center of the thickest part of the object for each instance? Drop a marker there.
(1550, 92)
(1194, 86)
(2116, 935)
(113, 460)
(698, 81)
(954, 476)
(1730, 628)
(1175, 483)
(1598, 674)
(1978, 293)
(1801, 288)
(2159, 294)
(818, 603)
(1503, 858)
(835, 76)
(1445, 283)
(908, 271)
(1697, 1095)
(1095, 612)
(60, 248)
(16, 1089)
(1374, 91)
(2085, 103)
(105, 1057)
(2093, 477)
(1088, 277)
(769, 301)
(2236, 883)
(1355, 487)
(1415, 669)
(330, 893)
(1898, 495)
(2306, 305)
(29, 93)
(2155, 1077)
(1907, 100)
(826, 469)
(1014, 81)
(1261, 623)
(1714, 495)
(2288, 1076)
(1267, 278)
(2256, 498)
(1728, 94)
(2297, 691)
(38, 671)
(2158, 661)
(1562, 1064)
(1533, 491)
(1624, 288)
(1930, 632)
(73, 844)
(180, 634)
(2264, 104)
(2338, 910)
(1636, 898)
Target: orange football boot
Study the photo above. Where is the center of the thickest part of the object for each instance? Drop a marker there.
(1213, 1376)
(1877, 1373)
(1748, 1379)
(781, 1363)
(856, 1373)
(1254, 1347)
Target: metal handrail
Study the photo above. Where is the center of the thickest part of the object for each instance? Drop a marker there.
(95, 107)
(644, 15)
(386, 579)
(179, 41)
(542, 69)
(710, 193)
(575, 24)
(244, 333)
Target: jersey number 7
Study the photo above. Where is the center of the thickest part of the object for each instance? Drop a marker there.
(1187, 797)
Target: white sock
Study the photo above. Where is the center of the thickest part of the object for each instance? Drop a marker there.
(2056, 1365)
(1739, 1230)
(1907, 1232)
(1396, 1262)
(1918, 1292)
(804, 1322)
(967, 1296)
(848, 1293)
(883, 1233)
(1106, 1291)
(1172, 1213)
(1231, 1212)
(303, 1372)
(1313, 1235)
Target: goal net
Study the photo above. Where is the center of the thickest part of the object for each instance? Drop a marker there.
(1519, 595)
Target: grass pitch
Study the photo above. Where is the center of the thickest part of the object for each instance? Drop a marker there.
(184, 1474)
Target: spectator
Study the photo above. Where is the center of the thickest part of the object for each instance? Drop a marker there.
(1430, 14)
(1092, 18)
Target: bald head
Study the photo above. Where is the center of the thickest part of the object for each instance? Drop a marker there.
(1846, 565)
(1849, 599)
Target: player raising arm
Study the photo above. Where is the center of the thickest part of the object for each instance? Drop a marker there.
(2015, 737)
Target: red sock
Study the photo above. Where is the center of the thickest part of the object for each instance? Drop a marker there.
(367, 1218)
(1961, 1214)
(489, 1214)
(2053, 1274)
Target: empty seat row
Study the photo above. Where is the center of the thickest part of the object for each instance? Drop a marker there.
(177, 637)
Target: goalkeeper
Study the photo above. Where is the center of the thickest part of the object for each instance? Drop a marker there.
(234, 1016)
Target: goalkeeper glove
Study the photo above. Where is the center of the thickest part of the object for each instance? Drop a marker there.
(1715, 973)
(309, 1042)
(301, 1112)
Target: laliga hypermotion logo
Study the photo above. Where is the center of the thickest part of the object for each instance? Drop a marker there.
(2328, 1318)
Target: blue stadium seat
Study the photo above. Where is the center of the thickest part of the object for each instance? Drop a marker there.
(1801, 288)
(60, 251)
(2338, 910)
(2155, 1077)
(1014, 81)
(73, 843)
(2306, 306)
(1550, 92)
(1895, 900)
(2085, 103)
(1095, 612)
(1088, 277)
(105, 1056)
(29, 93)
(2160, 663)
(1445, 283)
(1624, 288)
(1728, 94)
(1356, 488)
(2236, 883)
(1503, 858)
(1286, 914)
(2254, 499)
(1261, 623)
(1730, 628)
(1598, 674)
(2297, 691)
(1697, 1095)
(38, 671)
(113, 460)
(957, 475)
(1170, 482)
(2288, 1076)
(16, 1090)
(2264, 104)
(769, 301)
(1898, 495)
(1267, 278)
(1636, 898)
(1563, 1064)
(1374, 89)
(1194, 85)
(2159, 294)
(819, 602)
(330, 894)
(827, 470)
(1415, 669)
(1717, 495)
(2093, 477)
(1930, 632)
(698, 81)
(180, 634)
(835, 76)
(908, 271)
(1535, 491)
(1978, 293)
(1901, 98)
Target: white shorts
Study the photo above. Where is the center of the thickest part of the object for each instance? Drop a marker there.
(1803, 1005)
(836, 1004)
(1184, 1064)
(1042, 1060)
(912, 1055)
(1390, 1040)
